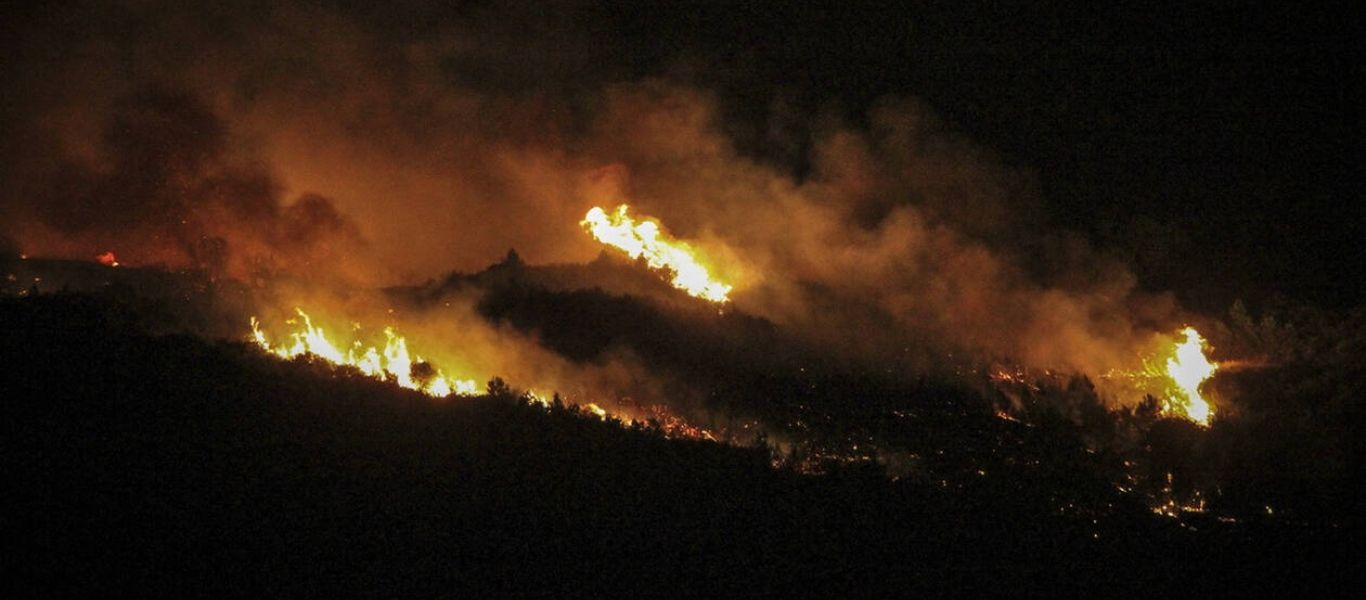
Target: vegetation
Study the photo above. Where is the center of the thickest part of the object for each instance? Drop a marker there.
(165, 465)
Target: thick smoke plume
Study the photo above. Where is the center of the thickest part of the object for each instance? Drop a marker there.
(160, 186)
(216, 137)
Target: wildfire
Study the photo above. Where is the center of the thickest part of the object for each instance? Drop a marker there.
(645, 239)
(108, 259)
(395, 363)
(392, 363)
(1168, 506)
(1176, 375)
(1189, 368)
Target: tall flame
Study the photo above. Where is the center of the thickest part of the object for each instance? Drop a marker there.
(1188, 369)
(645, 239)
(393, 363)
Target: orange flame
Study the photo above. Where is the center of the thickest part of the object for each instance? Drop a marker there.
(645, 239)
(108, 259)
(1188, 368)
(393, 363)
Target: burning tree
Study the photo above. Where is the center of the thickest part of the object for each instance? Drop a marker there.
(646, 239)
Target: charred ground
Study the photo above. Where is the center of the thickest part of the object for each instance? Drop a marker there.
(1290, 442)
(146, 462)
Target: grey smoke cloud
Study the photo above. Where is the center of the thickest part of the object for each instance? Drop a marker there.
(326, 140)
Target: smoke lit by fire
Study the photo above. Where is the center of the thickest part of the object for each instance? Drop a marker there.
(889, 240)
(1174, 373)
(392, 363)
(645, 239)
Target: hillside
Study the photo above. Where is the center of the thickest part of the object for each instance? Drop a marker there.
(167, 465)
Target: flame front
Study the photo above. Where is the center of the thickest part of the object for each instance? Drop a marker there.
(393, 363)
(1189, 368)
(645, 239)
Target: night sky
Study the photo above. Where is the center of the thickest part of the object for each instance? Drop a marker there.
(1213, 148)
(1014, 294)
(1217, 146)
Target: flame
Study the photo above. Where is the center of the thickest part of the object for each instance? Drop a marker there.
(1189, 368)
(393, 363)
(108, 259)
(1168, 506)
(645, 239)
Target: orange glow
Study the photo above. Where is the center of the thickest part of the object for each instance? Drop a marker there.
(1174, 375)
(393, 363)
(1188, 368)
(108, 259)
(646, 239)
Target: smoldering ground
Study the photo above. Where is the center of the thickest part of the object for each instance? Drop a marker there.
(380, 149)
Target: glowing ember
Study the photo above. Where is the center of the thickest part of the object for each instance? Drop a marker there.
(1168, 506)
(393, 363)
(108, 259)
(1188, 369)
(645, 239)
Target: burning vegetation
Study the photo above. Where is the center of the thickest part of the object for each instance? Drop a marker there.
(646, 240)
(928, 439)
(1188, 369)
(392, 363)
(887, 306)
(1175, 376)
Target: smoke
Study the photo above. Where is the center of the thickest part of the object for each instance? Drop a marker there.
(392, 148)
(452, 336)
(903, 237)
(159, 186)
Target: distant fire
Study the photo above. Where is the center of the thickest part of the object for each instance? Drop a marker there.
(645, 239)
(1168, 506)
(396, 364)
(1175, 375)
(393, 363)
(1189, 368)
(108, 259)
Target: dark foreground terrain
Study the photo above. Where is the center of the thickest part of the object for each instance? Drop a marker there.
(155, 465)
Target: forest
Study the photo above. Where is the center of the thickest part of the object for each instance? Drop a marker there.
(167, 464)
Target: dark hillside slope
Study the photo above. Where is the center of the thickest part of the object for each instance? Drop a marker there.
(169, 466)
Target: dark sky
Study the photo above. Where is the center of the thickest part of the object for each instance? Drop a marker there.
(1215, 147)
(1220, 146)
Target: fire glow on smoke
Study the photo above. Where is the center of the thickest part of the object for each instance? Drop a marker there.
(395, 363)
(645, 239)
(392, 363)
